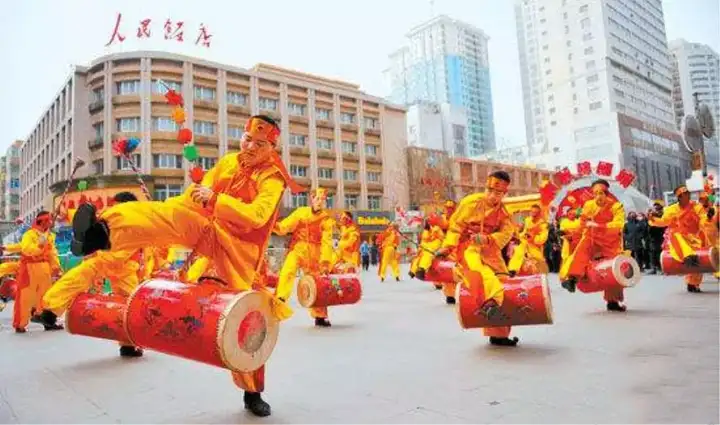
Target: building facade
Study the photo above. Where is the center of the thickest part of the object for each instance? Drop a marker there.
(446, 62)
(333, 134)
(438, 126)
(11, 182)
(582, 64)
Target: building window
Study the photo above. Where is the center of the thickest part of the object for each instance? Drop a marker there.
(585, 23)
(296, 109)
(592, 78)
(595, 105)
(576, 110)
(371, 122)
(236, 98)
(587, 36)
(374, 202)
(128, 124)
(158, 88)
(298, 170)
(98, 167)
(349, 147)
(300, 200)
(347, 118)
(124, 164)
(322, 114)
(590, 65)
(351, 175)
(325, 144)
(297, 140)
(235, 132)
(583, 9)
(268, 104)
(207, 162)
(128, 87)
(165, 191)
(97, 95)
(164, 124)
(553, 123)
(589, 50)
(99, 130)
(373, 176)
(330, 201)
(552, 111)
(371, 150)
(351, 201)
(167, 161)
(205, 93)
(326, 173)
(205, 128)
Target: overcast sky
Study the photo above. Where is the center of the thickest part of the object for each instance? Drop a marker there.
(345, 39)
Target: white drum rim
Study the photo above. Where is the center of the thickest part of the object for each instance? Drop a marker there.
(233, 356)
(713, 252)
(458, 288)
(309, 282)
(547, 299)
(622, 280)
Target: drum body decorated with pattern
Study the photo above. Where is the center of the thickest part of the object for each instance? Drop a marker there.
(207, 322)
(344, 268)
(621, 271)
(329, 290)
(526, 302)
(98, 316)
(708, 262)
(271, 280)
(442, 271)
(8, 288)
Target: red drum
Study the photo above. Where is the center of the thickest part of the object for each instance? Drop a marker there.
(709, 259)
(442, 271)
(8, 288)
(527, 302)
(206, 322)
(165, 274)
(344, 268)
(98, 316)
(325, 291)
(271, 280)
(605, 274)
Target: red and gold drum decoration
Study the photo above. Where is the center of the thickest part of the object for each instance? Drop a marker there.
(8, 288)
(526, 302)
(613, 272)
(98, 316)
(344, 268)
(708, 262)
(326, 291)
(206, 322)
(168, 274)
(271, 280)
(442, 271)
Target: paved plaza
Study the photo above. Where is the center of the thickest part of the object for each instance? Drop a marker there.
(400, 357)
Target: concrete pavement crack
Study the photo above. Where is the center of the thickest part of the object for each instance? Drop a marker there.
(88, 399)
(4, 399)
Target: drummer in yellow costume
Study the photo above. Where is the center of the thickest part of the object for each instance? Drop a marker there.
(602, 222)
(227, 218)
(532, 244)
(570, 232)
(120, 267)
(388, 252)
(430, 241)
(710, 228)
(479, 230)
(348, 250)
(685, 221)
(311, 248)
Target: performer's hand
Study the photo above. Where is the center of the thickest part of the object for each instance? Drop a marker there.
(325, 267)
(42, 240)
(481, 239)
(442, 252)
(592, 224)
(201, 194)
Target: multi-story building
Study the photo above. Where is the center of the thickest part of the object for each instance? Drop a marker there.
(11, 182)
(3, 188)
(333, 134)
(696, 71)
(585, 64)
(446, 62)
(438, 126)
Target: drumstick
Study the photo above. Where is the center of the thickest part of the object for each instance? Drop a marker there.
(78, 163)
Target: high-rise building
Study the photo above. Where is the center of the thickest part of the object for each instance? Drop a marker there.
(3, 188)
(597, 81)
(446, 62)
(333, 134)
(11, 182)
(696, 70)
(440, 126)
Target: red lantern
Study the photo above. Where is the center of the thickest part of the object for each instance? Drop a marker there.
(625, 178)
(185, 135)
(584, 168)
(604, 168)
(564, 176)
(174, 98)
(197, 174)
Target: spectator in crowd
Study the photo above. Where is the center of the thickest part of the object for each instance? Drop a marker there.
(365, 255)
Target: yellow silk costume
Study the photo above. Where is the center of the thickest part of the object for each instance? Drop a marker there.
(311, 249)
(156, 259)
(685, 233)
(474, 216)
(38, 261)
(348, 250)
(571, 236)
(430, 241)
(389, 254)
(532, 246)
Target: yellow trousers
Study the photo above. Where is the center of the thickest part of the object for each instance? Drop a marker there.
(389, 259)
(526, 251)
(682, 246)
(299, 258)
(483, 263)
(30, 292)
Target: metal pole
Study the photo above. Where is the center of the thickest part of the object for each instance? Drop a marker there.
(702, 137)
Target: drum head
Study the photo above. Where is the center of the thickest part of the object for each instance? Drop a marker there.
(458, 313)
(546, 297)
(307, 291)
(714, 257)
(626, 271)
(247, 332)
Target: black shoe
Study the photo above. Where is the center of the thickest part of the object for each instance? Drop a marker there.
(49, 320)
(411, 274)
(130, 351)
(449, 300)
(692, 261)
(512, 273)
(438, 286)
(89, 234)
(694, 289)
(569, 284)
(615, 306)
(256, 405)
(36, 319)
(420, 275)
(653, 271)
(504, 342)
(397, 279)
(20, 330)
(382, 279)
(322, 322)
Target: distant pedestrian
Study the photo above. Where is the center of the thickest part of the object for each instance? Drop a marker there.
(365, 255)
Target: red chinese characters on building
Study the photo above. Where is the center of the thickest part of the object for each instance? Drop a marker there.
(173, 30)
(604, 168)
(144, 28)
(116, 36)
(584, 168)
(564, 176)
(203, 37)
(176, 33)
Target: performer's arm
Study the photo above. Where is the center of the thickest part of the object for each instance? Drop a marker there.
(669, 215)
(353, 238)
(457, 223)
(618, 217)
(30, 244)
(503, 236)
(13, 248)
(288, 224)
(54, 256)
(700, 211)
(542, 235)
(326, 244)
(254, 214)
